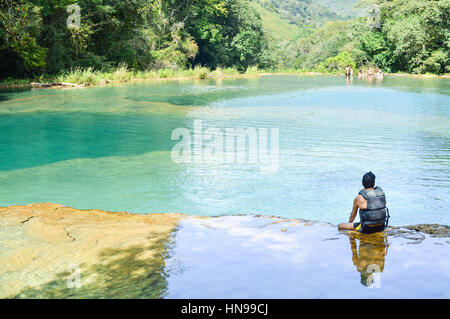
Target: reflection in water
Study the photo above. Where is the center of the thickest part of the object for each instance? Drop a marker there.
(369, 256)
(264, 257)
(349, 80)
(261, 257)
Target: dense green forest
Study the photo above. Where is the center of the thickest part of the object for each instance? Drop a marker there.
(412, 36)
(311, 35)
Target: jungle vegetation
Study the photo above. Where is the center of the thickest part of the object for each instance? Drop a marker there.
(410, 36)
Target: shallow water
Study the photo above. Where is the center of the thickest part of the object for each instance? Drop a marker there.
(110, 147)
(260, 257)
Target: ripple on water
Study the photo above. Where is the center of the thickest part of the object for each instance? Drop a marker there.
(119, 139)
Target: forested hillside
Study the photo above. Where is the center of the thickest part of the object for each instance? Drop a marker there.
(412, 36)
(310, 12)
(322, 35)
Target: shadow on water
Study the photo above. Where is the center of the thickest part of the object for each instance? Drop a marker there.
(121, 273)
(3, 96)
(9, 93)
(368, 255)
(54, 137)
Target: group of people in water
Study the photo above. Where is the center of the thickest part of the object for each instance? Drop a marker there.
(368, 74)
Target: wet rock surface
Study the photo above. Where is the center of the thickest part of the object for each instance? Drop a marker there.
(46, 248)
(434, 230)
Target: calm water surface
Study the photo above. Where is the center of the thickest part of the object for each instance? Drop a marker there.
(258, 257)
(110, 147)
(261, 257)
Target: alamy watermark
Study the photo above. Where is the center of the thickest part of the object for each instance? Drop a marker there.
(374, 278)
(229, 145)
(74, 278)
(74, 19)
(374, 17)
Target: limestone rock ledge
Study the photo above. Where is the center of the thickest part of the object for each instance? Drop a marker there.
(44, 247)
(41, 244)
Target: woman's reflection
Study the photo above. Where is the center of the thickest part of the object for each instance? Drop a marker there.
(369, 257)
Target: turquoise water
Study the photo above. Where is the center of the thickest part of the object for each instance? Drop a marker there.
(110, 147)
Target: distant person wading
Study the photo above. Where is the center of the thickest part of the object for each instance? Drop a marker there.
(348, 71)
(373, 213)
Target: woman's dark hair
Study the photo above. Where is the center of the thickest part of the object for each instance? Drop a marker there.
(368, 180)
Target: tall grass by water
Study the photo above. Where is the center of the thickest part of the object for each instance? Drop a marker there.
(89, 76)
(120, 74)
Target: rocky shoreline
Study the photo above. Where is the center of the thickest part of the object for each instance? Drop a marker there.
(45, 245)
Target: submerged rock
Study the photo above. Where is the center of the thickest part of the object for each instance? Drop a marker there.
(45, 245)
(434, 230)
